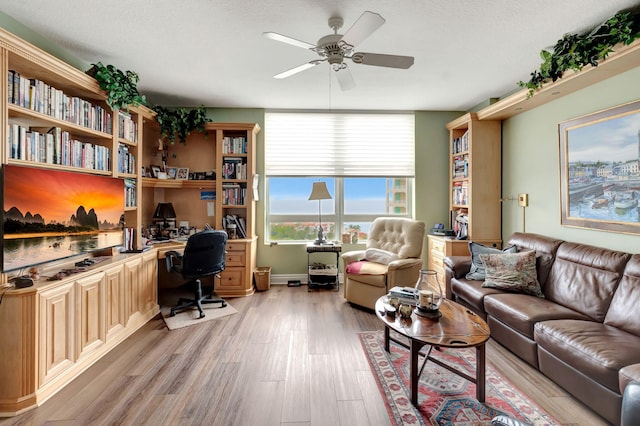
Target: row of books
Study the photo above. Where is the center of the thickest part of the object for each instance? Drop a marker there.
(234, 168)
(233, 194)
(460, 166)
(460, 194)
(55, 146)
(460, 144)
(38, 96)
(234, 145)
(130, 193)
(406, 295)
(238, 221)
(127, 128)
(126, 160)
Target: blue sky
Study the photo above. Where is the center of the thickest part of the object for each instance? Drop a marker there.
(289, 195)
(611, 140)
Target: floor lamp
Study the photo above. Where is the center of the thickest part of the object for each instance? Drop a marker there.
(319, 192)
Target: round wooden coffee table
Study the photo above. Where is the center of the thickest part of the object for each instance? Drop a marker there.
(458, 327)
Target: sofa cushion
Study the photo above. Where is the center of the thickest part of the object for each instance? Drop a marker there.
(584, 278)
(522, 311)
(626, 299)
(594, 349)
(471, 292)
(380, 256)
(628, 374)
(545, 248)
(477, 267)
(514, 272)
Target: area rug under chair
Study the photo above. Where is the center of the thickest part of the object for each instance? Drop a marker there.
(443, 397)
(190, 316)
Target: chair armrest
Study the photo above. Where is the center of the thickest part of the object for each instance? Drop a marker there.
(404, 263)
(169, 257)
(352, 256)
(459, 265)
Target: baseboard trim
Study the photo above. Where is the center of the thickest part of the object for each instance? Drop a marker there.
(283, 279)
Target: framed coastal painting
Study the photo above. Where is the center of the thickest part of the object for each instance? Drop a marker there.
(599, 170)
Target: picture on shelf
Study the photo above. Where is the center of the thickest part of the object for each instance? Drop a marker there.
(172, 172)
(155, 171)
(182, 173)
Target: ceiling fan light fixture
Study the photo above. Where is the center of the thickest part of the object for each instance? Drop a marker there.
(334, 48)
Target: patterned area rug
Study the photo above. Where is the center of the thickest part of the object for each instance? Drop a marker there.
(443, 397)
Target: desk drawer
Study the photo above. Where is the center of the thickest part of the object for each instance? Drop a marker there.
(437, 262)
(235, 258)
(231, 279)
(437, 245)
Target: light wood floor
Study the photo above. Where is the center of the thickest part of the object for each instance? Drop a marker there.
(289, 357)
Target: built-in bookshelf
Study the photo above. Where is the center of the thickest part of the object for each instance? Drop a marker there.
(218, 193)
(474, 185)
(55, 117)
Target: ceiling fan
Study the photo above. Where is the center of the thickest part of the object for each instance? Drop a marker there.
(334, 48)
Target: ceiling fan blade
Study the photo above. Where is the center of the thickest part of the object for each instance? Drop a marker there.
(366, 25)
(345, 79)
(288, 40)
(298, 69)
(381, 60)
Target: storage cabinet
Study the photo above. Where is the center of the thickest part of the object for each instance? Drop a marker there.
(475, 173)
(221, 163)
(474, 190)
(54, 330)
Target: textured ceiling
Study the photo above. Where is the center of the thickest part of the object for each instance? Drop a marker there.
(212, 52)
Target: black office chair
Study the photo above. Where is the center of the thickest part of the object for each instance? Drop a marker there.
(203, 256)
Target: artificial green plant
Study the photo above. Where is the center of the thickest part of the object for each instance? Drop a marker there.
(120, 86)
(180, 122)
(574, 51)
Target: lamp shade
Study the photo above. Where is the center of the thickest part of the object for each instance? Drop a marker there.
(319, 191)
(164, 211)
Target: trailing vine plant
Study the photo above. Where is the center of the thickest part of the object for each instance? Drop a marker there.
(180, 122)
(573, 51)
(120, 86)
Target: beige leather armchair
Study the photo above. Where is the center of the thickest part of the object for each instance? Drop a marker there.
(391, 258)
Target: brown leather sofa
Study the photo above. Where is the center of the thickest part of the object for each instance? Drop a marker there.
(584, 334)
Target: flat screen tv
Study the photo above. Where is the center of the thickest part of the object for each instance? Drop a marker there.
(54, 214)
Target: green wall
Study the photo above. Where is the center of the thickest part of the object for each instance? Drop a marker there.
(530, 162)
(431, 183)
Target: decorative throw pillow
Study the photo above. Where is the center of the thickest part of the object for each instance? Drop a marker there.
(477, 268)
(380, 256)
(513, 272)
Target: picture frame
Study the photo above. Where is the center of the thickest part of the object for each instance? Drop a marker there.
(155, 171)
(599, 170)
(182, 173)
(172, 172)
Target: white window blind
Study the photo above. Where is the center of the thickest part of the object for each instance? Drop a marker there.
(339, 144)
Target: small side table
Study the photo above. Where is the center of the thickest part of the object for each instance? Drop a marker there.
(323, 277)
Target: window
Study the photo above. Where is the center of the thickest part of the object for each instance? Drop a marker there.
(366, 160)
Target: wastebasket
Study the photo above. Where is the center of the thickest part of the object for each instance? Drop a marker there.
(262, 276)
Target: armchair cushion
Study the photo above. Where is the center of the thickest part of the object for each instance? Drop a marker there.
(380, 256)
(364, 267)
